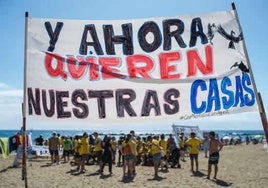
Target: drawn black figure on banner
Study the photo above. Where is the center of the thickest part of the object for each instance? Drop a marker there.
(211, 30)
(231, 37)
(241, 66)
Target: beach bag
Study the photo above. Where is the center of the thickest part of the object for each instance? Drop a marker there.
(127, 150)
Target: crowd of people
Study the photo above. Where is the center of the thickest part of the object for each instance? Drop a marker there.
(131, 150)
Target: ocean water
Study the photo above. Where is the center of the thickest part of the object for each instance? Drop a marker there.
(47, 133)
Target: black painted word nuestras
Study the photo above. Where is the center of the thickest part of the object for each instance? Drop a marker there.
(54, 103)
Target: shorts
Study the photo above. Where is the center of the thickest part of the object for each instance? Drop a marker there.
(129, 157)
(214, 158)
(54, 152)
(98, 154)
(193, 156)
(84, 156)
(66, 152)
(77, 156)
(157, 158)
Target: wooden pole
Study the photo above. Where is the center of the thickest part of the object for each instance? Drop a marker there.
(263, 118)
(24, 166)
(257, 94)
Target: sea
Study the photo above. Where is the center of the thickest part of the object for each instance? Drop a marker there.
(47, 133)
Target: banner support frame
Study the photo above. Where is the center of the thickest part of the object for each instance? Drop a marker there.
(24, 163)
(257, 94)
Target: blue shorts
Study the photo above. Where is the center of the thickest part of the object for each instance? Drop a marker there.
(129, 157)
(157, 157)
(214, 158)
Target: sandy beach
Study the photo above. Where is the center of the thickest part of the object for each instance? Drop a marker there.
(243, 166)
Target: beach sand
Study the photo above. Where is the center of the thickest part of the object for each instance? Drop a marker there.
(243, 166)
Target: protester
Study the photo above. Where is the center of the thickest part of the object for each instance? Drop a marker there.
(139, 145)
(155, 151)
(215, 147)
(107, 155)
(134, 149)
(67, 147)
(54, 147)
(171, 144)
(128, 153)
(182, 146)
(39, 141)
(98, 149)
(114, 146)
(206, 145)
(120, 152)
(84, 151)
(77, 157)
(164, 156)
(16, 141)
(194, 144)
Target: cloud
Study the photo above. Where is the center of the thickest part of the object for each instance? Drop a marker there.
(3, 86)
(10, 106)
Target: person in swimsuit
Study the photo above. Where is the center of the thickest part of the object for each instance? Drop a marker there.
(215, 147)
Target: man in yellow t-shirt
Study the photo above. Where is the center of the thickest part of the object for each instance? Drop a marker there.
(84, 151)
(194, 144)
(164, 155)
(155, 150)
(98, 149)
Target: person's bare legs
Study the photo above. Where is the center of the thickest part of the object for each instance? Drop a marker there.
(196, 164)
(156, 166)
(216, 171)
(82, 165)
(209, 171)
(124, 167)
(192, 165)
(78, 162)
(52, 158)
(57, 158)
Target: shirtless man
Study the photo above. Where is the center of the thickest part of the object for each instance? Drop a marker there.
(215, 147)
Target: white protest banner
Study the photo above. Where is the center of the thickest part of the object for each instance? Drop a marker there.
(43, 151)
(139, 70)
(187, 130)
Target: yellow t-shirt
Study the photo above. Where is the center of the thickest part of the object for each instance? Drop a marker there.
(131, 146)
(76, 145)
(98, 144)
(163, 144)
(193, 143)
(84, 148)
(155, 148)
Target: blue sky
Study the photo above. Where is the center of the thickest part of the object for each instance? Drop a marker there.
(253, 17)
